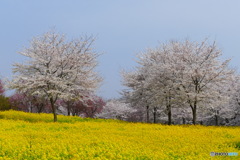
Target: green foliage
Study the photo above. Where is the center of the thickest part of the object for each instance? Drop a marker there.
(4, 103)
(237, 145)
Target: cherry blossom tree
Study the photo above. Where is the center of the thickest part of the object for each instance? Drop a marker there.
(56, 68)
(30, 103)
(154, 81)
(2, 90)
(4, 101)
(180, 74)
(203, 76)
(115, 109)
(138, 94)
(19, 101)
(88, 106)
(93, 106)
(231, 111)
(162, 82)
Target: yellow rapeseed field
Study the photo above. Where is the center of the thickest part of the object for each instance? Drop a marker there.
(33, 136)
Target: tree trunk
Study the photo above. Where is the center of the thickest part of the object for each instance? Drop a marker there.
(155, 115)
(68, 112)
(40, 108)
(68, 109)
(216, 120)
(54, 110)
(194, 112)
(227, 121)
(147, 114)
(31, 108)
(55, 116)
(184, 120)
(169, 115)
(169, 109)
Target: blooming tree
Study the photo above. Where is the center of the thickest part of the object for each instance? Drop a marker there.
(4, 101)
(137, 94)
(93, 106)
(203, 77)
(154, 80)
(180, 74)
(115, 109)
(88, 106)
(2, 90)
(30, 103)
(231, 111)
(56, 68)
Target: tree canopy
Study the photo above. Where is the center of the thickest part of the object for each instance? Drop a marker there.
(57, 68)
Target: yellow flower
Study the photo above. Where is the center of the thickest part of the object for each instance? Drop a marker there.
(34, 136)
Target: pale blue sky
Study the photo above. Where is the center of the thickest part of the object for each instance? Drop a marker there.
(123, 28)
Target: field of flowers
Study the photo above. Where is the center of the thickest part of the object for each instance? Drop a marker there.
(34, 136)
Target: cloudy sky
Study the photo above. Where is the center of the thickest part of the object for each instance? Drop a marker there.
(123, 29)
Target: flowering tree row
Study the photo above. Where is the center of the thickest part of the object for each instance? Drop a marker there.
(180, 74)
(175, 78)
